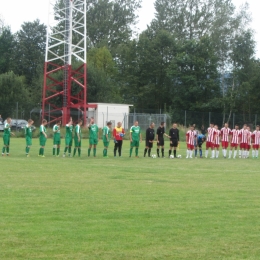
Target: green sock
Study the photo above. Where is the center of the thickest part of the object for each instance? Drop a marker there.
(58, 151)
(27, 150)
(79, 151)
(42, 151)
(94, 151)
(89, 150)
(136, 151)
(131, 150)
(74, 152)
(7, 149)
(3, 150)
(65, 150)
(53, 151)
(106, 152)
(70, 150)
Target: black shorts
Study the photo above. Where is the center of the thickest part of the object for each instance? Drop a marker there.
(174, 143)
(160, 142)
(148, 144)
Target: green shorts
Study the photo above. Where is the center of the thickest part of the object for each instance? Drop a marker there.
(106, 143)
(134, 143)
(77, 143)
(56, 142)
(6, 140)
(93, 141)
(42, 141)
(68, 141)
(28, 141)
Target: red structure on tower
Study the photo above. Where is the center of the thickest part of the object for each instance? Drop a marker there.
(65, 70)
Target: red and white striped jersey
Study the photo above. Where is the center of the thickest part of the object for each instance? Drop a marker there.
(217, 138)
(244, 135)
(211, 134)
(250, 138)
(235, 136)
(191, 135)
(256, 137)
(225, 133)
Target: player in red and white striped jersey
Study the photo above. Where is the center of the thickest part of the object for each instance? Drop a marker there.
(217, 140)
(210, 140)
(225, 138)
(243, 140)
(191, 139)
(249, 142)
(234, 141)
(255, 142)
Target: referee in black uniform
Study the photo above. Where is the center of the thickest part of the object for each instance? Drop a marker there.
(174, 139)
(160, 140)
(149, 140)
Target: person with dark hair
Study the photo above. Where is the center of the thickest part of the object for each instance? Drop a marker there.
(118, 134)
(135, 138)
(200, 140)
(6, 136)
(106, 133)
(210, 141)
(77, 138)
(234, 141)
(1, 119)
(56, 139)
(160, 139)
(202, 130)
(43, 137)
(68, 138)
(149, 140)
(174, 139)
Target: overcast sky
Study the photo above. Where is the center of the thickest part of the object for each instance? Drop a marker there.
(15, 12)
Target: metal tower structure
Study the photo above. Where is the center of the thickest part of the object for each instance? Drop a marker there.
(65, 70)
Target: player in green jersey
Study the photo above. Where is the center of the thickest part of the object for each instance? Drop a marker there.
(93, 136)
(68, 138)
(43, 137)
(77, 138)
(56, 139)
(28, 136)
(106, 134)
(135, 138)
(6, 136)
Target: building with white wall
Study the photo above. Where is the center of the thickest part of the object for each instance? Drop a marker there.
(105, 112)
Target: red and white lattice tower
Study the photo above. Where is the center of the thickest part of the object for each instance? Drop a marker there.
(65, 70)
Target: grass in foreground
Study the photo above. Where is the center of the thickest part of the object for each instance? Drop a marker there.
(127, 208)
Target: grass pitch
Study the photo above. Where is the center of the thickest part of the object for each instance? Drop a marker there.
(127, 208)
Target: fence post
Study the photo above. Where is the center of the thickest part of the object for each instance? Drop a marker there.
(16, 114)
(185, 122)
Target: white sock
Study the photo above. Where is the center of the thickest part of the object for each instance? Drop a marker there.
(253, 153)
(239, 153)
(191, 153)
(256, 153)
(235, 153)
(206, 153)
(212, 153)
(188, 151)
(230, 153)
(217, 154)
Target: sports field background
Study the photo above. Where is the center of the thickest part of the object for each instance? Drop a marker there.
(127, 208)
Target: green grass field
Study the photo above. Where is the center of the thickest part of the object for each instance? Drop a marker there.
(127, 208)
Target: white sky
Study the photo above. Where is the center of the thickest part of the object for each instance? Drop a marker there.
(15, 12)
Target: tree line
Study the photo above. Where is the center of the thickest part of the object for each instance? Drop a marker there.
(196, 55)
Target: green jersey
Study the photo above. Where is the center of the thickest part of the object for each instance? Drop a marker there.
(28, 131)
(77, 131)
(93, 131)
(56, 132)
(42, 131)
(7, 130)
(135, 132)
(106, 131)
(69, 129)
